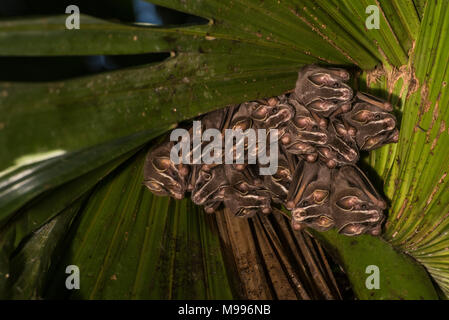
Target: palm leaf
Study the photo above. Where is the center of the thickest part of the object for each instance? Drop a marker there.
(140, 246)
(58, 133)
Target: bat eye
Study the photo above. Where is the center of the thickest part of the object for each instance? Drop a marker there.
(260, 113)
(315, 128)
(161, 164)
(305, 203)
(207, 176)
(362, 116)
(364, 206)
(319, 79)
(377, 117)
(325, 222)
(154, 185)
(243, 124)
(335, 101)
(352, 229)
(320, 195)
(274, 110)
(301, 122)
(281, 173)
(242, 187)
(336, 85)
(348, 202)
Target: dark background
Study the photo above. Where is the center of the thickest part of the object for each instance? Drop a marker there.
(58, 68)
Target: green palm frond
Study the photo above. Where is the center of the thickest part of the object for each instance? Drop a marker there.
(72, 152)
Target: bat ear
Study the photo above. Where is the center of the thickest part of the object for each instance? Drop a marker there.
(260, 113)
(155, 186)
(320, 195)
(298, 176)
(358, 179)
(352, 229)
(376, 101)
(161, 164)
(362, 116)
(341, 73)
(319, 79)
(301, 122)
(322, 106)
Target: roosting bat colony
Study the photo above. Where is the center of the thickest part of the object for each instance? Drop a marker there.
(321, 126)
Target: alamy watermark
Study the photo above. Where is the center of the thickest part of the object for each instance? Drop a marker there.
(192, 152)
(372, 21)
(373, 280)
(73, 280)
(73, 20)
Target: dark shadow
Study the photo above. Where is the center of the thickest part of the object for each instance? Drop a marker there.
(395, 100)
(60, 68)
(373, 176)
(375, 179)
(118, 10)
(378, 184)
(354, 83)
(55, 282)
(64, 67)
(105, 9)
(173, 17)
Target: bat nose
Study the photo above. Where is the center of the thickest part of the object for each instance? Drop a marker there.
(390, 124)
(346, 94)
(299, 214)
(395, 136)
(197, 198)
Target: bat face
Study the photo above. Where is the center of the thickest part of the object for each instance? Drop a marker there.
(215, 119)
(322, 127)
(356, 205)
(323, 90)
(310, 197)
(241, 119)
(212, 206)
(374, 126)
(341, 148)
(162, 176)
(279, 183)
(304, 132)
(268, 116)
(246, 196)
(210, 185)
(343, 198)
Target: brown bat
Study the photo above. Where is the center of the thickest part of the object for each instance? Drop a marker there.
(321, 120)
(272, 113)
(374, 127)
(342, 198)
(217, 119)
(341, 148)
(279, 183)
(309, 197)
(356, 206)
(323, 90)
(162, 176)
(246, 195)
(209, 187)
(304, 133)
